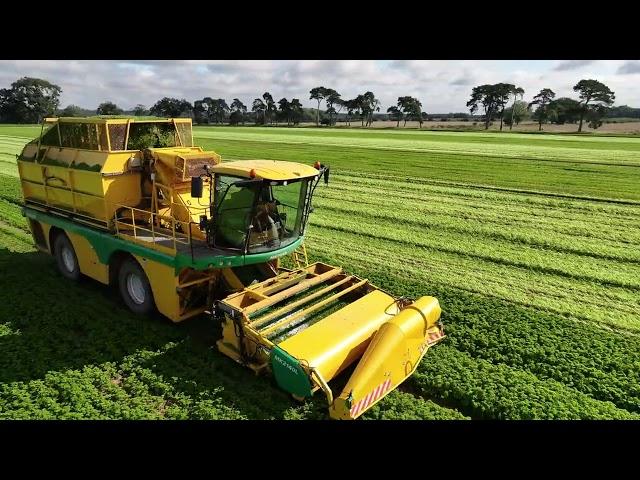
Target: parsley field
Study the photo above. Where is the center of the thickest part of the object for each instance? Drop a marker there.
(530, 242)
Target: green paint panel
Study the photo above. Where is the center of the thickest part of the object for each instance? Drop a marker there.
(289, 373)
(106, 244)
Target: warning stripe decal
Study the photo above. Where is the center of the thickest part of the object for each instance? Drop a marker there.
(374, 395)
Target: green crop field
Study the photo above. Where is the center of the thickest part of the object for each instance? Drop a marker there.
(530, 242)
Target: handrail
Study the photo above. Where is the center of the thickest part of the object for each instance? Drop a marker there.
(174, 236)
(323, 385)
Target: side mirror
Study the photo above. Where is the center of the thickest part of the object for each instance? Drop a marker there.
(196, 187)
(326, 176)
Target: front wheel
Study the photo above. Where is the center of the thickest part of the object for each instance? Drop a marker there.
(135, 288)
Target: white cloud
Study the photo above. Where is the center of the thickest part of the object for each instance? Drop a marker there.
(572, 64)
(629, 67)
(441, 86)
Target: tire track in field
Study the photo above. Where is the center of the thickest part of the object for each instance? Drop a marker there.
(542, 240)
(467, 220)
(492, 188)
(609, 306)
(459, 195)
(631, 281)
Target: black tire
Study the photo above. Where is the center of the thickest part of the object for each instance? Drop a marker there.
(135, 288)
(66, 257)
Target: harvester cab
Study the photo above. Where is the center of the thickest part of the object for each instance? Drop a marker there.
(185, 233)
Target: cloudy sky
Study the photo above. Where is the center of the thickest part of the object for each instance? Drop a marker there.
(442, 86)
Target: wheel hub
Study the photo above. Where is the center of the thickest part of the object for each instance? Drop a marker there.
(67, 259)
(135, 288)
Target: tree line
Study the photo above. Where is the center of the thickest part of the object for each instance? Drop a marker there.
(594, 100)
(29, 100)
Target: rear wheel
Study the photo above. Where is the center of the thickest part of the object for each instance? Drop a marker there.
(66, 257)
(135, 288)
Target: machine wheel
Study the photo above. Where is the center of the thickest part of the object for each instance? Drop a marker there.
(135, 288)
(66, 257)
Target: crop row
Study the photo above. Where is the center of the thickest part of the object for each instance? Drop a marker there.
(428, 143)
(612, 306)
(450, 222)
(487, 391)
(583, 267)
(538, 208)
(591, 180)
(401, 185)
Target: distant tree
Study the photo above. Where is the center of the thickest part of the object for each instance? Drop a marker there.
(202, 110)
(108, 108)
(218, 110)
(71, 111)
(516, 113)
(542, 100)
(351, 106)
(623, 111)
(332, 98)
(235, 117)
(271, 107)
(239, 109)
(171, 107)
(503, 92)
(296, 110)
(199, 112)
(259, 108)
(415, 111)
(592, 92)
(564, 110)
(140, 110)
(594, 116)
(491, 100)
(395, 114)
(29, 100)
(360, 108)
(318, 93)
(285, 110)
(369, 105)
(516, 92)
(406, 107)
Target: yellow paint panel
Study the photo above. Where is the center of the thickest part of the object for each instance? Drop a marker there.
(88, 259)
(392, 355)
(87, 182)
(163, 284)
(30, 171)
(34, 191)
(267, 169)
(60, 197)
(116, 163)
(338, 340)
(56, 176)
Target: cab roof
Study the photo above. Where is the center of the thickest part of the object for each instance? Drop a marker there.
(266, 169)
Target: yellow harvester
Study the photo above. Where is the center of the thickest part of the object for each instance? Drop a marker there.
(133, 203)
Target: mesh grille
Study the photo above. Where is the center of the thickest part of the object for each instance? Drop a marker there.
(184, 130)
(192, 166)
(50, 137)
(79, 135)
(102, 134)
(179, 169)
(117, 134)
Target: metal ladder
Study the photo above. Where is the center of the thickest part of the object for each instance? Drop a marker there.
(299, 257)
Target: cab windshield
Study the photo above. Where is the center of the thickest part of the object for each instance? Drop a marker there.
(259, 216)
